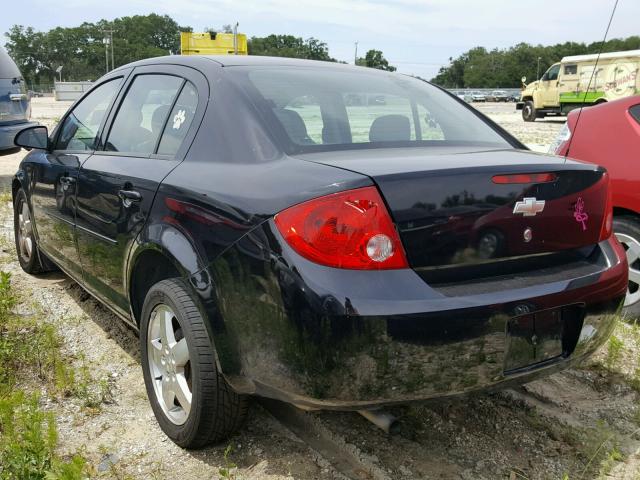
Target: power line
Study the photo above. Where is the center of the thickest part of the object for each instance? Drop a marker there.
(593, 74)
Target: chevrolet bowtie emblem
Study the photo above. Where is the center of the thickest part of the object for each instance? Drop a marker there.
(529, 207)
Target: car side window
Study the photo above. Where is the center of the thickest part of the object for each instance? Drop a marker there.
(179, 120)
(80, 129)
(552, 74)
(142, 114)
(635, 112)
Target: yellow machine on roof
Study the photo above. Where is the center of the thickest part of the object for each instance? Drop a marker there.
(212, 43)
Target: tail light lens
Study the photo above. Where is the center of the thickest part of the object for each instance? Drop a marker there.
(351, 229)
(525, 178)
(607, 221)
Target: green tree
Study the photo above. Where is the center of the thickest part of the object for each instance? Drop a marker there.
(375, 59)
(480, 68)
(289, 46)
(80, 50)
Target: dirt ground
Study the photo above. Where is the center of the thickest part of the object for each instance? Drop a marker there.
(578, 424)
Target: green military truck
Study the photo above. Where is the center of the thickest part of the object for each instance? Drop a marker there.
(577, 81)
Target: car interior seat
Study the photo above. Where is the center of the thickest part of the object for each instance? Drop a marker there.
(294, 125)
(390, 128)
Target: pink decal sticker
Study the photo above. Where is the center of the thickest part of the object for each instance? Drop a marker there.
(580, 215)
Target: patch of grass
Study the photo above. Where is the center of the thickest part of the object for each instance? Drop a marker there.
(28, 437)
(5, 196)
(92, 393)
(614, 352)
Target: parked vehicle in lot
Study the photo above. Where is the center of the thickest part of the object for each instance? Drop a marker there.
(478, 97)
(268, 239)
(498, 96)
(465, 96)
(609, 135)
(15, 108)
(571, 84)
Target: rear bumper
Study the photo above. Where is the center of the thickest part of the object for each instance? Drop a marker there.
(8, 133)
(337, 339)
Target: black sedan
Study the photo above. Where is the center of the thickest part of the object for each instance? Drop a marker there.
(267, 235)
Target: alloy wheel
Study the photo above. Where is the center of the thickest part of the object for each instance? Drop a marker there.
(25, 232)
(169, 364)
(632, 246)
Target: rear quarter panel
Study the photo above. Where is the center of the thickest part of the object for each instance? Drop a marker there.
(607, 135)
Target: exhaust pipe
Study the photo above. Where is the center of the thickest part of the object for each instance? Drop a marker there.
(381, 419)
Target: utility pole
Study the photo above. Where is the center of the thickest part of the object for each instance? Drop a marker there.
(235, 39)
(108, 43)
(105, 40)
(113, 63)
(355, 56)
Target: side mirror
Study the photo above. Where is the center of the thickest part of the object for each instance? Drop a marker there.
(523, 79)
(33, 137)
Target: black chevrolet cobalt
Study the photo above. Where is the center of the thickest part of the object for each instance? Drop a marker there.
(335, 237)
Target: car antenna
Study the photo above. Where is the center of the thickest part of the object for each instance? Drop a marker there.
(593, 74)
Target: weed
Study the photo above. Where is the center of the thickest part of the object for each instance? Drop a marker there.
(228, 472)
(614, 352)
(28, 436)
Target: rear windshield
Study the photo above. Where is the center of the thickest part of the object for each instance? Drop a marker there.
(315, 109)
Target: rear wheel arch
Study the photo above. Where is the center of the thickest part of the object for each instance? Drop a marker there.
(150, 266)
(626, 226)
(625, 212)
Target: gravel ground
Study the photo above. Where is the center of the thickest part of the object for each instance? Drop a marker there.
(543, 431)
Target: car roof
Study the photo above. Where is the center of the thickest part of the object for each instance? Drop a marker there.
(202, 61)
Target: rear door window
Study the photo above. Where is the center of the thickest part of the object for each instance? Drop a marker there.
(80, 129)
(142, 115)
(179, 120)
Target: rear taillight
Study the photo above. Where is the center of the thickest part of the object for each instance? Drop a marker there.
(607, 219)
(351, 229)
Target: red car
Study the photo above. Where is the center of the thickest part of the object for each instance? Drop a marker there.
(609, 135)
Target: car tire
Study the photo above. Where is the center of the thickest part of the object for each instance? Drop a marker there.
(183, 369)
(529, 113)
(627, 231)
(30, 258)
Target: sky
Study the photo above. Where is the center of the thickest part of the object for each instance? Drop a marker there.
(416, 36)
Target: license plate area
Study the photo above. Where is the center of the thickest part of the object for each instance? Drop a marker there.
(542, 336)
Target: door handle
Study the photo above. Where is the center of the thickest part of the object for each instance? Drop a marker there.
(66, 181)
(128, 197)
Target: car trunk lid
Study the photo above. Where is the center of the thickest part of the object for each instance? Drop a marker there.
(453, 209)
